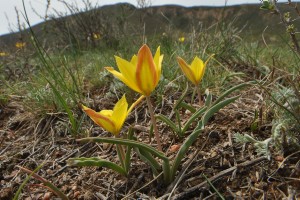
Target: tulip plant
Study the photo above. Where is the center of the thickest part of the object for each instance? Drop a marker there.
(142, 74)
(112, 121)
(194, 72)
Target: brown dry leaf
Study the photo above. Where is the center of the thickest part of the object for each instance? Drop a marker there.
(174, 148)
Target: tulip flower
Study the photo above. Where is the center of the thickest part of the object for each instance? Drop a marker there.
(2, 54)
(141, 74)
(181, 39)
(194, 72)
(20, 45)
(112, 120)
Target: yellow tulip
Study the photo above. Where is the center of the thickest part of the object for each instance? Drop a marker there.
(96, 36)
(181, 39)
(142, 73)
(2, 54)
(195, 71)
(20, 45)
(112, 120)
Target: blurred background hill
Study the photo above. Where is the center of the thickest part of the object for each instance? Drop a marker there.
(108, 25)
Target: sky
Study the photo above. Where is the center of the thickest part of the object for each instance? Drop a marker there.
(34, 8)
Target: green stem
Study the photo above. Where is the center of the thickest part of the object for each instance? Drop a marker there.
(167, 171)
(153, 120)
(121, 155)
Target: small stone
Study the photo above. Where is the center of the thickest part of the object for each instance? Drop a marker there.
(76, 194)
(47, 196)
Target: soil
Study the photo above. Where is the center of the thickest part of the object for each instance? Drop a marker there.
(215, 164)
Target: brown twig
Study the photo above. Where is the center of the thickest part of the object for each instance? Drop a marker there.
(218, 176)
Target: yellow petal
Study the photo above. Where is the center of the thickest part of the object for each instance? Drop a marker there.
(120, 113)
(127, 69)
(101, 118)
(120, 76)
(133, 60)
(198, 69)
(106, 113)
(158, 60)
(187, 70)
(146, 73)
(135, 104)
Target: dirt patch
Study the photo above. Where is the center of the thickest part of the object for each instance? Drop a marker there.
(234, 169)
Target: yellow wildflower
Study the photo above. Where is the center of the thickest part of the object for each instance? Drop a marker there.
(20, 45)
(142, 73)
(112, 120)
(181, 39)
(195, 71)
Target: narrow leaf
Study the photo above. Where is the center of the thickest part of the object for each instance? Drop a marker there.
(193, 118)
(148, 158)
(188, 107)
(184, 148)
(127, 142)
(209, 113)
(171, 124)
(82, 162)
(226, 93)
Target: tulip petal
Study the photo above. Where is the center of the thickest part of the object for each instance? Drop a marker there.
(106, 113)
(187, 70)
(101, 118)
(198, 68)
(127, 69)
(158, 60)
(135, 104)
(120, 113)
(146, 72)
(133, 60)
(120, 76)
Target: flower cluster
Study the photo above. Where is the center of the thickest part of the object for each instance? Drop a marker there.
(142, 74)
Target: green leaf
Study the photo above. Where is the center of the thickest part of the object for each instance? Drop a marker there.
(179, 123)
(194, 135)
(226, 93)
(128, 150)
(16, 197)
(185, 146)
(83, 162)
(267, 5)
(215, 189)
(148, 158)
(187, 106)
(193, 118)
(171, 124)
(139, 145)
(210, 112)
(127, 142)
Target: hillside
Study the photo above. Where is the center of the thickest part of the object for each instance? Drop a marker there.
(124, 20)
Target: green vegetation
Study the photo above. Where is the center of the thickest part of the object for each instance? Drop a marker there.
(248, 99)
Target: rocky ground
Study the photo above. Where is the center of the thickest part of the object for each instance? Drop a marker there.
(235, 170)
